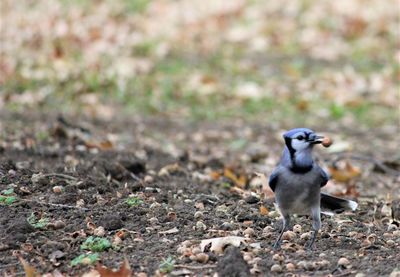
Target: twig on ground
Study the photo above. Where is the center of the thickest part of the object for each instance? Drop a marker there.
(194, 267)
(63, 206)
(60, 175)
(377, 163)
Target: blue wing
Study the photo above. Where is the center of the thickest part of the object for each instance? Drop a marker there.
(273, 179)
(325, 177)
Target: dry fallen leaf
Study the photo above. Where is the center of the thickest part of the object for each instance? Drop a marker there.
(217, 245)
(124, 270)
(344, 174)
(263, 210)
(239, 180)
(30, 271)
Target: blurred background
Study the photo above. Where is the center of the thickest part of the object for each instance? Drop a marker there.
(297, 62)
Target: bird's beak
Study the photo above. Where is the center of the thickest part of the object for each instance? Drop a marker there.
(316, 139)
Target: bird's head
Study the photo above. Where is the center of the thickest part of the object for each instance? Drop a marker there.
(301, 139)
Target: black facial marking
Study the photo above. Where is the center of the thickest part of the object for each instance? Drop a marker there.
(288, 142)
(300, 169)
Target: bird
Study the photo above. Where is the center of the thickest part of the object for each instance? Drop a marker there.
(297, 181)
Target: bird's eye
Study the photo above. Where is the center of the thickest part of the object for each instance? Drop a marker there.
(300, 137)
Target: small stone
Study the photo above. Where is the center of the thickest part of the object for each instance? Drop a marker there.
(249, 232)
(305, 236)
(360, 274)
(366, 243)
(276, 268)
(387, 235)
(153, 221)
(196, 250)
(322, 255)
(200, 226)
(202, 257)
(198, 215)
(352, 234)
(396, 233)
(58, 224)
(199, 205)
(343, 262)
(99, 231)
(252, 199)
(297, 229)
(188, 201)
(288, 235)
(278, 258)
(301, 252)
(142, 274)
(247, 257)
(58, 189)
(392, 227)
(155, 205)
(390, 242)
(302, 264)
(148, 179)
(227, 226)
(290, 267)
(323, 264)
(247, 223)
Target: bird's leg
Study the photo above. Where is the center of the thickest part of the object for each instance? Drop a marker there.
(285, 226)
(316, 225)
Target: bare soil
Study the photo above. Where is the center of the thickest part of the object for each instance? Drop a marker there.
(78, 174)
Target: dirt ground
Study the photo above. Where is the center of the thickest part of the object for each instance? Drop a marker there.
(188, 182)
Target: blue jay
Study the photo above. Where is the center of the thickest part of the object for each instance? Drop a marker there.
(297, 182)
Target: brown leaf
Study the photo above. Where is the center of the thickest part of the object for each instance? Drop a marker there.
(239, 181)
(263, 210)
(102, 145)
(344, 174)
(30, 271)
(124, 270)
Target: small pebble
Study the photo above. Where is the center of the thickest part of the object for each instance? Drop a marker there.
(396, 233)
(201, 258)
(247, 257)
(343, 262)
(148, 179)
(305, 236)
(57, 189)
(99, 231)
(322, 255)
(288, 235)
(387, 235)
(302, 264)
(290, 267)
(297, 228)
(155, 205)
(249, 232)
(392, 227)
(278, 258)
(198, 205)
(227, 226)
(196, 250)
(276, 268)
(390, 242)
(198, 215)
(360, 274)
(323, 264)
(200, 226)
(153, 221)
